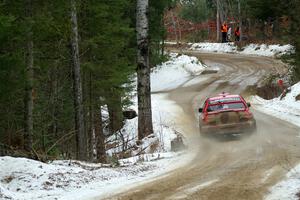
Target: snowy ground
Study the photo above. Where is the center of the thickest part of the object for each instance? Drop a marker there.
(286, 109)
(177, 71)
(22, 178)
(28, 179)
(275, 50)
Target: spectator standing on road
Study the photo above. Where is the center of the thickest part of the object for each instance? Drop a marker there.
(224, 30)
(237, 34)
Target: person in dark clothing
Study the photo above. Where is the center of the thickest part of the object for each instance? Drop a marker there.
(237, 34)
(224, 30)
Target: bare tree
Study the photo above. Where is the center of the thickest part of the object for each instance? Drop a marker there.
(218, 21)
(174, 26)
(79, 121)
(145, 126)
(240, 19)
(29, 85)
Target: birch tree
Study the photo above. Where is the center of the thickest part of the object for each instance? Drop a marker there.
(79, 121)
(145, 126)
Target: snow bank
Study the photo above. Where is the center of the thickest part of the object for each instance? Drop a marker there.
(25, 179)
(163, 114)
(268, 50)
(275, 50)
(215, 47)
(286, 109)
(170, 43)
(288, 188)
(175, 72)
(6, 194)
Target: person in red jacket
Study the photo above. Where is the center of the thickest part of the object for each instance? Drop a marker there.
(224, 29)
(237, 34)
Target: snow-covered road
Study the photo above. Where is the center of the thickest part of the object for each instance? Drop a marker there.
(233, 168)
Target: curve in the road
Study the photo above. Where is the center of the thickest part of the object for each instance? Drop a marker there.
(234, 168)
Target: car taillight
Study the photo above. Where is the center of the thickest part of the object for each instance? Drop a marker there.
(246, 117)
(210, 119)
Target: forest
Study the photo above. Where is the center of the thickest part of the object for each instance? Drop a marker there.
(63, 62)
(38, 80)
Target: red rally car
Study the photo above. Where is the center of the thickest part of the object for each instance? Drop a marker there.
(226, 114)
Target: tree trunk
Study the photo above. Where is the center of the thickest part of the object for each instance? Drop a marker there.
(91, 128)
(179, 29)
(174, 26)
(162, 53)
(29, 85)
(218, 21)
(114, 105)
(145, 126)
(222, 13)
(79, 121)
(101, 154)
(54, 100)
(240, 20)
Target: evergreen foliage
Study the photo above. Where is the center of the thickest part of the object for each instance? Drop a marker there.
(275, 10)
(107, 43)
(195, 10)
(156, 29)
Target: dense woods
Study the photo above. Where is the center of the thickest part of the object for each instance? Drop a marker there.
(62, 62)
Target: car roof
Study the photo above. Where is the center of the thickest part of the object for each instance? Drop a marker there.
(224, 96)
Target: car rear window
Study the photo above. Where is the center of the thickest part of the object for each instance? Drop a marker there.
(224, 100)
(225, 106)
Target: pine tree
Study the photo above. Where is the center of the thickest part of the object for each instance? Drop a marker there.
(106, 41)
(28, 136)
